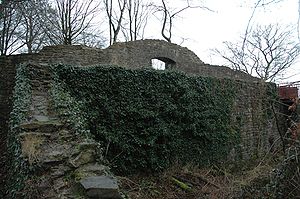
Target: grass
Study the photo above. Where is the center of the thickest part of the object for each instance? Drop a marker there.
(214, 182)
(31, 143)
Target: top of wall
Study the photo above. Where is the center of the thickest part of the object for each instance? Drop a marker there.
(133, 54)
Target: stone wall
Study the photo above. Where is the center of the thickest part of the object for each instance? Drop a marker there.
(60, 160)
(7, 73)
(253, 115)
(7, 82)
(137, 54)
(134, 54)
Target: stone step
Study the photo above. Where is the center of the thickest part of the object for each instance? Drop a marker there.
(44, 126)
(104, 187)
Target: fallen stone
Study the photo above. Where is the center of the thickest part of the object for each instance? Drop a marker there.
(102, 187)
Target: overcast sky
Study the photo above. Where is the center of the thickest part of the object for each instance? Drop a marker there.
(205, 30)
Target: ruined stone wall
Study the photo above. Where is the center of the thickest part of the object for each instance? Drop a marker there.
(58, 153)
(137, 54)
(48, 145)
(6, 88)
(252, 114)
(134, 54)
(7, 82)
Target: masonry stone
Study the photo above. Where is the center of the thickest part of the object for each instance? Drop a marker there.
(59, 153)
(102, 187)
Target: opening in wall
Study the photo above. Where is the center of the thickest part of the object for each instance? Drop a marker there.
(158, 65)
(162, 63)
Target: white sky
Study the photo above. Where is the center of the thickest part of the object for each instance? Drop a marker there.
(205, 30)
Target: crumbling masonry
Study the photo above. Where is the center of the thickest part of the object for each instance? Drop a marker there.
(136, 54)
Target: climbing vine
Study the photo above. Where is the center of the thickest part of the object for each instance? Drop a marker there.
(147, 119)
(68, 107)
(18, 168)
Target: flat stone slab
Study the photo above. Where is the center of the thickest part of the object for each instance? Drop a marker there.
(41, 118)
(41, 124)
(102, 187)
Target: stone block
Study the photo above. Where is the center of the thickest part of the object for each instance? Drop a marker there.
(43, 126)
(102, 187)
(89, 170)
(83, 158)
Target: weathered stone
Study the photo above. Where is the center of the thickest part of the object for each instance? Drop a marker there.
(84, 157)
(87, 145)
(54, 156)
(65, 135)
(41, 118)
(43, 184)
(59, 183)
(102, 187)
(59, 171)
(33, 134)
(57, 153)
(43, 126)
(129, 55)
(90, 170)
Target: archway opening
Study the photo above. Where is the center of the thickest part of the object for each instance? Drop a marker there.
(162, 63)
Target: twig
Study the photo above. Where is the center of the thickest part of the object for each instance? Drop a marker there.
(182, 185)
(204, 180)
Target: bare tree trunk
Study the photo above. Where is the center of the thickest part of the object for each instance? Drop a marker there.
(115, 18)
(166, 15)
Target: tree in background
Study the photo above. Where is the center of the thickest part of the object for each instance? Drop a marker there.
(266, 52)
(32, 26)
(9, 27)
(168, 15)
(115, 17)
(128, 17)
(28, 25)
(69, 19)
(92, 38)
(138, 12)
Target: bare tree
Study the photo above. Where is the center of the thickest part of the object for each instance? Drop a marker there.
(92, 38)
(9, 23)
(138, 12)
(71, 18)
(169, 15)
(33, 35)
(128, 17)
(266, 52)
(258, 4)
(115, 15)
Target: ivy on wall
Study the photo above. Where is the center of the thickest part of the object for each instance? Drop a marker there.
(69, 109)
(18, 168)
(147, 119)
